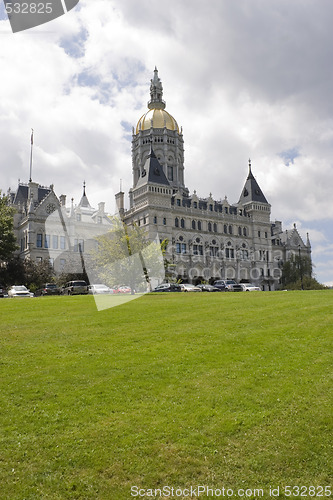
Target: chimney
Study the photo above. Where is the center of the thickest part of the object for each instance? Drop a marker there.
(62, 200)
(33, 191)
(120, 203)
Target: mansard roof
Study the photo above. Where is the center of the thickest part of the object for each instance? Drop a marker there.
(22, 193)
(251, 191)
(152, 172)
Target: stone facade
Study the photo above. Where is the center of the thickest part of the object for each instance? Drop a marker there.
(48, 230)
(207, 239)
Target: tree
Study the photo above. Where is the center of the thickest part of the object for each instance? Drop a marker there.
(16, 271)
(37, 273)
(125, 256)
(7, 238)
(297, 274)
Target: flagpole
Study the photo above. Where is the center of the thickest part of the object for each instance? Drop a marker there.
(32, 143)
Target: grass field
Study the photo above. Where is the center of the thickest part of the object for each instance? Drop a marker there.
(178, 390)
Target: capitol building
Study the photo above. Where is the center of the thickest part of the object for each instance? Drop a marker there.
(207, 239)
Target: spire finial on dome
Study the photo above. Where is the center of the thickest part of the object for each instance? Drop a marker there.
(156, 92)
(249, 165)
(84, 188)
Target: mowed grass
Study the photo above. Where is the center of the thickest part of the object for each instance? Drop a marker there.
(225, 390)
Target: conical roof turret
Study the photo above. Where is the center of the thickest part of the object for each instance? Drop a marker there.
(251, 191)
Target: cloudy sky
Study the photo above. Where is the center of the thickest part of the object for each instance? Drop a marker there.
(244, 78)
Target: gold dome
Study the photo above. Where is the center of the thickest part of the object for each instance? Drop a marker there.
(158, 118)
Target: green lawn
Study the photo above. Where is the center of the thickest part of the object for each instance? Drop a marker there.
(179, 390)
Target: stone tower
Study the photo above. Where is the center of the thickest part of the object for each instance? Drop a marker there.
(158, 129)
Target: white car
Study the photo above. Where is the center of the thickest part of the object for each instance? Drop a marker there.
(19, 291)
(99, 289)
(188, 287)
(249, 287)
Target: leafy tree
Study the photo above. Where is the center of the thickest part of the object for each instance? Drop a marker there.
(307, 282)
(37, 273)
(297, 274)
(7, 239)
(125, 256)
(32, 274)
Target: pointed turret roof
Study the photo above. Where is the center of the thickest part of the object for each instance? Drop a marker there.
(251, 191)
(152, 172)
(84, 202)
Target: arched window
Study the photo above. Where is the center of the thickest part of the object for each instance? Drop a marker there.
(229, 251)
(176, 222)
(209, 226)
(182, 223)
(244, 231)
(225, 228)
(199, 225)
(230, 229)
(215, 227)
(193, 224)
(239, 231)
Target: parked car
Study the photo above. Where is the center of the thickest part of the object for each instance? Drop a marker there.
(228, 286)
(249, 287)
(168, 287)
(48, 289)
(208, 288)
(188, 287)
(99, 289)
(3, 292)
(122, 289)
(19, 291)
(75, 288)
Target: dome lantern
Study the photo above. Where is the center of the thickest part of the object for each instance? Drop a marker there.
(156, 92)
(157, 116)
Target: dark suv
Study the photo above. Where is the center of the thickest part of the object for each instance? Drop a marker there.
(48, 289)
(228, 286)
(75, 288)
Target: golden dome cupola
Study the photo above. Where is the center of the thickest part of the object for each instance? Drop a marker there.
(157, 116)
(158, 129)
